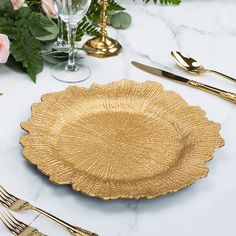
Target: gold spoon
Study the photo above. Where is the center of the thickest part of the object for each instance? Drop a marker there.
(193, 66)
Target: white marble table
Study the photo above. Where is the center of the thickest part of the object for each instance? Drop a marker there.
(203, 29)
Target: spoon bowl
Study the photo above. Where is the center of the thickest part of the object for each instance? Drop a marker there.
(188, 63)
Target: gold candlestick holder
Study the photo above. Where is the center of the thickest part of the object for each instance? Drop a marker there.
(102, 45)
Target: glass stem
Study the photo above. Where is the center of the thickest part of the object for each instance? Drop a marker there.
(71, 41)
(60, 38)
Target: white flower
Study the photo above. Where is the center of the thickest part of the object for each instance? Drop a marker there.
(4, 48)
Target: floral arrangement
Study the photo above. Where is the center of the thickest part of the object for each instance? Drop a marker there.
(27, 26)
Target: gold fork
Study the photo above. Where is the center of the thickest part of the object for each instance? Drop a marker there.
(17, 227)
(15, 204)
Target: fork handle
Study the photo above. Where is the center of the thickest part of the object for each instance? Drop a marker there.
(76, 231)
(223, 75)
(81, 232)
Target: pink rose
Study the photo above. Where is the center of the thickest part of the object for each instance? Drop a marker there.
(48, 8)
(4, 48)
(17, 4)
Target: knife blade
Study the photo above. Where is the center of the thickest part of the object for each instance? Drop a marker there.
(158, 72)
(192, 83)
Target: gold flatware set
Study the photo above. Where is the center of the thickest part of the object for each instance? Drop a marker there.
(192, 83)
(193, 67)
(15, 204)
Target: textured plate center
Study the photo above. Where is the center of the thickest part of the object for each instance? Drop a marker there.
(118, 145)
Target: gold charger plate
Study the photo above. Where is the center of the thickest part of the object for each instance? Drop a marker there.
(120, 140)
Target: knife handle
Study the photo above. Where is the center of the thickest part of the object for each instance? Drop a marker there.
(218, 92)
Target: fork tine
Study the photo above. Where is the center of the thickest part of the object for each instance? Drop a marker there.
(9, 220)
(5, 203)
(5, 198)
(8, 225)
(7, 194)
(16, 221)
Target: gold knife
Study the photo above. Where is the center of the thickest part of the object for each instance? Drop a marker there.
(218, 92)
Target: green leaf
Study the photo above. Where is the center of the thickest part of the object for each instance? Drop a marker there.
(55, 57)
(114, 6)
(25, 48)
(32, 60)
(14, 65)
(86, 27)
(39, 25)
(121, 20)
(173, 2)
(52, 34)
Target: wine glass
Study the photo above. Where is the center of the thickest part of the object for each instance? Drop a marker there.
(71, 12)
